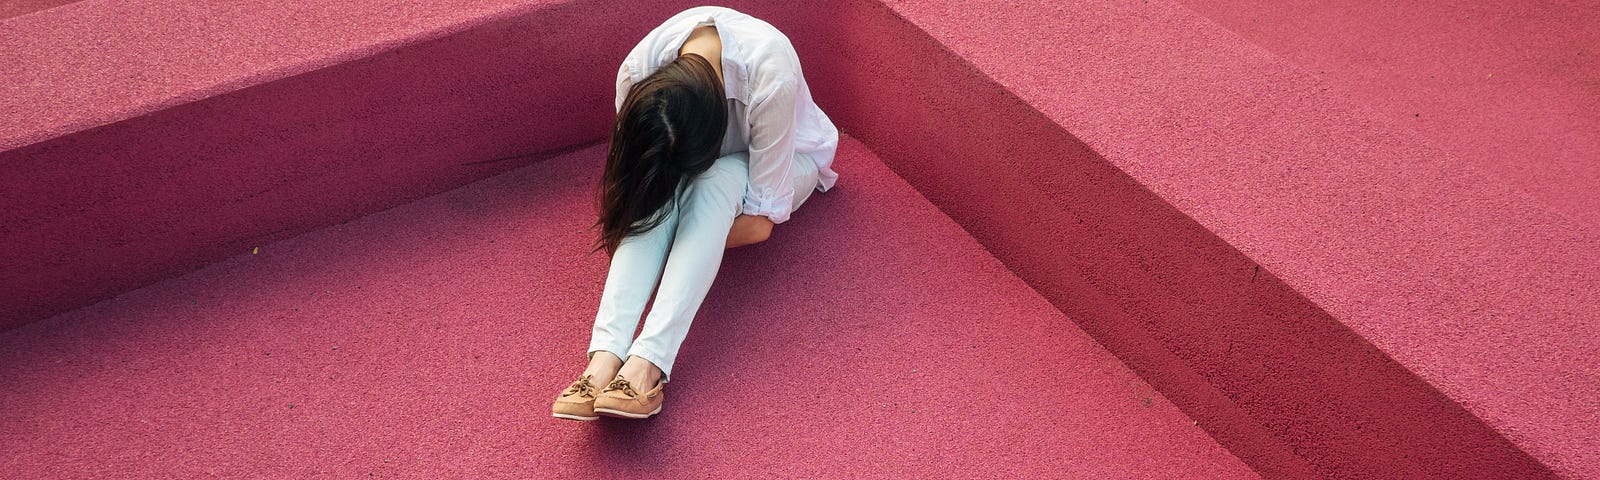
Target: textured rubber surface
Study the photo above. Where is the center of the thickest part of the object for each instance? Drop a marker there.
(428, 341)
(1331, 293)
(1511, 88)
(149, 55)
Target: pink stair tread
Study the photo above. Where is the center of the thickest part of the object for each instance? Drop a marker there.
(869, 337)
(131, 66)
(1512, 88)
(13, 8)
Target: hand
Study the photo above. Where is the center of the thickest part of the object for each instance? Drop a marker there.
(748, 229)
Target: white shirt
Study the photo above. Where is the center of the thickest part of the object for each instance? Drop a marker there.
(770, 111)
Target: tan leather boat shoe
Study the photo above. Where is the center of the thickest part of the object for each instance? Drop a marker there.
(577, 401)
(620, 399)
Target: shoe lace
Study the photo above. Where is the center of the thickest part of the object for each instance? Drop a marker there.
(581, 386)
(622, 384)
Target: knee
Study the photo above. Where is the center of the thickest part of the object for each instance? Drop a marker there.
(720, 188)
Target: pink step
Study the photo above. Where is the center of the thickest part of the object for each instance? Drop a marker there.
(1327, 291)
(427, 341)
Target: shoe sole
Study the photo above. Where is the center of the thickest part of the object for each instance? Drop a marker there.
(569, 416)
(619, 413)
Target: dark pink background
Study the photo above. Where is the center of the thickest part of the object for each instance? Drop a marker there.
(1229, 197)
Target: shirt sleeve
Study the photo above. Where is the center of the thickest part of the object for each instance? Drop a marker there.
(624, 82)
(771, 189)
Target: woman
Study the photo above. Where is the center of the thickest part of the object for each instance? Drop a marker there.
(716, 141)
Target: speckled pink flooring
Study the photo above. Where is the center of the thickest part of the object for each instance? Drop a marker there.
(869, 338)
(1513, 91)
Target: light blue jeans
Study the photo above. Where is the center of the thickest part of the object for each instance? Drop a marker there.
(683, 253)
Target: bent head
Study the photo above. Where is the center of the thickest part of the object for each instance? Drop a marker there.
(668, 130)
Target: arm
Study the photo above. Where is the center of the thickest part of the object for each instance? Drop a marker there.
(770, 192)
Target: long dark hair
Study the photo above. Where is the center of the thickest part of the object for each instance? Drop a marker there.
(668, 130)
